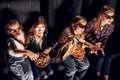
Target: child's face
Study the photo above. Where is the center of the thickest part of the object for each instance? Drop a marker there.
(79, 29)
(39, 30)
(109, 17)
(14, 29)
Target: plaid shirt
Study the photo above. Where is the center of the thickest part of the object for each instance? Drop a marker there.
(100, 35)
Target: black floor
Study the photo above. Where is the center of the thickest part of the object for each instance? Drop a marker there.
(90, 75)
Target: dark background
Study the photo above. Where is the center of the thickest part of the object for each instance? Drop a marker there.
(58, 14)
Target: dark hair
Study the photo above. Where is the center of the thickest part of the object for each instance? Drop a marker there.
(11, 22)
(77, 18)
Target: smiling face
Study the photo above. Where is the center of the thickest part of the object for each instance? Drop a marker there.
(39, 30)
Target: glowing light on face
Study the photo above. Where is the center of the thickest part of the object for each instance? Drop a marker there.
(39, 30)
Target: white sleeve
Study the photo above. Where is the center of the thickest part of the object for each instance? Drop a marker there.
(12, 53)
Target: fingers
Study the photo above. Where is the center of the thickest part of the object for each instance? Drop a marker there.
(99, 44)
(47, 50)
(33, 56)
(93, 50)
(103, 52)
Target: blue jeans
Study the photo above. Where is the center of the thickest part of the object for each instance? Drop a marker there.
(20, 70)
(106, 60)
(37, 70)
(75, 68)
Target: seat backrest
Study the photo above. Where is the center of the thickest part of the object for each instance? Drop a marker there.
(21, 8)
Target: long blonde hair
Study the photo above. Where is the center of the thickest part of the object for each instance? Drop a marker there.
(77, 21)
(41, 20)
(101, 15)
